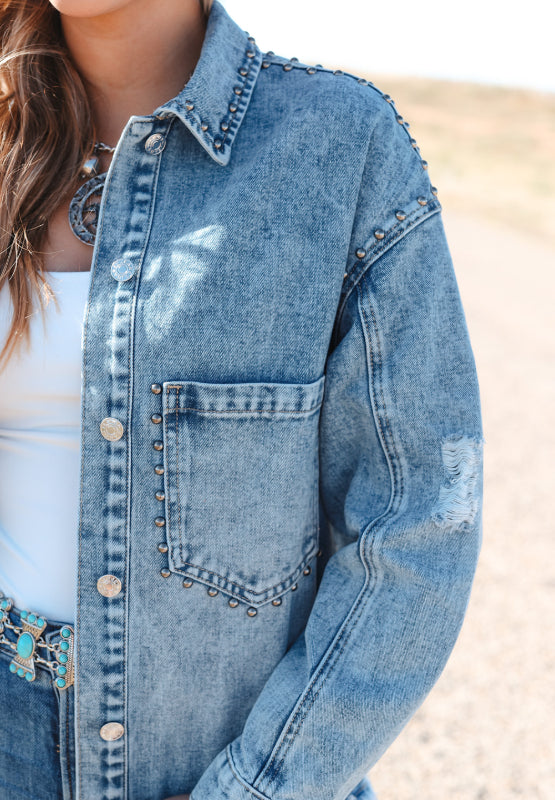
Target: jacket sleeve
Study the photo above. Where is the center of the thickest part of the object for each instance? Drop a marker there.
(401, 448)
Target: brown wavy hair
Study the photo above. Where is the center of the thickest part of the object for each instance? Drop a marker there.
(46, 130)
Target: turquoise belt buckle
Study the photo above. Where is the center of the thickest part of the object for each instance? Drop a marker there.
(29, 638)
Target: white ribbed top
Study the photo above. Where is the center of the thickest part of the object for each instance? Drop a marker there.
(40, 431)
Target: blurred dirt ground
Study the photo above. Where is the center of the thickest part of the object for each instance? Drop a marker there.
(487, 729)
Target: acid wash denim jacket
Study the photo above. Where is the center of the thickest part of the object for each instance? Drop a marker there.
(281, 453)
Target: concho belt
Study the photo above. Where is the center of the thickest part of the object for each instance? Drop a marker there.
(29, 639)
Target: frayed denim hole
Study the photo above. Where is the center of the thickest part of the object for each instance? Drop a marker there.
(458, 500)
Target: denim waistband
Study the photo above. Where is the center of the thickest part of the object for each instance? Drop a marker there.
(36, 642)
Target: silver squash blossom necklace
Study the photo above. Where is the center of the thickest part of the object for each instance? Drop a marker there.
(85, 203)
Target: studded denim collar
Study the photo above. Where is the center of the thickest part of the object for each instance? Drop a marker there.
(214, 101)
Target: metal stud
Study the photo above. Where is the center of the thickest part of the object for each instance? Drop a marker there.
(232, 602)
(158, 445)
(338, 72)
(243, 71)
(294, 58)
(156, 418)
(276, 601)
(363, 81)
(189, 106)
(379, 234)
(224, 125)
(434, 190)
(203, 126)
(388, 98)
(399, 119)
(360, 253)
(159, 469)
(232, 108)
(165, 572)
(288, 67)
(345, 275)
(160, 522)
(422, 201)
(213, 592)
(406, 124)
(400, 215)
(252, 612)
(307, 571)
(187, 583)
(163, 547)
(311, 70)
(270, 53)
(294, 587)
(250, 39)
(414, 142)
(155, 388)
(424, 165)
(265, 64)
(217, 143)
(319, 553)
(160, 495)
(250, 54)
(238, 90)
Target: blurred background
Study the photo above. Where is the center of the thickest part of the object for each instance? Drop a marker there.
(476, 82)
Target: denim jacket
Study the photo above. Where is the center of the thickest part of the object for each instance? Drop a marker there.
(281, 452)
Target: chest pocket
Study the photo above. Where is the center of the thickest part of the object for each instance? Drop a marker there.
(241, 483)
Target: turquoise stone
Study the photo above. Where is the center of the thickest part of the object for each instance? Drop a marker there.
(64, 645)
(28, 676)
(25, 645)
(62, 670)
(60, 682)
(4, 603)
(66, 633)
(32, 617)
(62, 658)
(12, 667)
(20, 671)
(24, 614)
(40, 622)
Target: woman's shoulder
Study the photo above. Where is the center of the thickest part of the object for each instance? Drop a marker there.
(336, 103)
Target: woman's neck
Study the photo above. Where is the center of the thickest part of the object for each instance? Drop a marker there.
(134, 58)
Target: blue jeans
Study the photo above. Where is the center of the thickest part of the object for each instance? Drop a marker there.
(37, 753)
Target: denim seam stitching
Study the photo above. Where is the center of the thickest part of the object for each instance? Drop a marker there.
(364, 597)
(255, 792)
(401, 230)
(305, 559)
(245, 410)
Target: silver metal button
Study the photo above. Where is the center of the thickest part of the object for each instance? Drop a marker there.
(159, 494)
(159, 522)
(112, 731)
(156, 418)
(159, 469)
(158, 445)
(155, 144)
(108, 585)
(111, 429)
(155, 388)
(165, 573)
(163, 547)
(122, 269)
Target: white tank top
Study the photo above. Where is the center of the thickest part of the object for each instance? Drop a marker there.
(40, 432)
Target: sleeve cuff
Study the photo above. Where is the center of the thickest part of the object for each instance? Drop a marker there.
(221, 781)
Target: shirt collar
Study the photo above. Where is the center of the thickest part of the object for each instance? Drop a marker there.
(214, 101)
